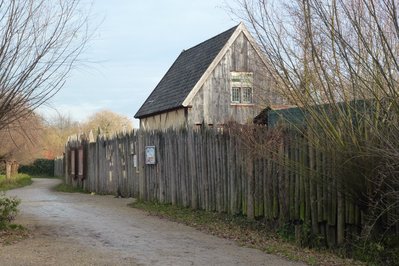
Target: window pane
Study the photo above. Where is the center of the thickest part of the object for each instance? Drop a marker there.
(235, 95)
(247, 95)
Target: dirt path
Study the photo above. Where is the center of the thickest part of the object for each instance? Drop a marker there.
(81, 229)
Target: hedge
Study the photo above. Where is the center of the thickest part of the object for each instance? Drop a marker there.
(38, 167)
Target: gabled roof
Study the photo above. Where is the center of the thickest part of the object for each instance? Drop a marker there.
(183, 75)
(189, 72)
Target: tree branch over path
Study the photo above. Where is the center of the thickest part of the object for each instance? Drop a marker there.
(40, 41)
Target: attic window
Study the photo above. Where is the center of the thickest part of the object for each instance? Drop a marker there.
(241, 87)
(246, 94)
(236, 94)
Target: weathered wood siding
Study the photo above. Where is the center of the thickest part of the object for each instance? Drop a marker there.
(171, 119)
(212, 104)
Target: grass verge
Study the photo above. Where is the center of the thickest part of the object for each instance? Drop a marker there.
(46, 176)
(18, 181)
(69, 188)
(253, 234)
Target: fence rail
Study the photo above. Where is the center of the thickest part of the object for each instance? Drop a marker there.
(215, 170)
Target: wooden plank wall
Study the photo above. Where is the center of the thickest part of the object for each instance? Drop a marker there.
(210, 169)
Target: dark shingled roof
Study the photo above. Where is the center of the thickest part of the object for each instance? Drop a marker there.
(182, 76)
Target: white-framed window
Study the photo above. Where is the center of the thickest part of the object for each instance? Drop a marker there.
(246, 94)
(236, 94)
(241, 87)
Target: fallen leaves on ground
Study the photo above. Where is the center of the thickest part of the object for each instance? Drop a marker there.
(11, 236)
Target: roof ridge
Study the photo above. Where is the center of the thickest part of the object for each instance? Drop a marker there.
(231, 29)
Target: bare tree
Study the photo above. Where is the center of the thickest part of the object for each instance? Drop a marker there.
(108, 122)
(21, 144)
(345, 54)
(40, 41)
(55, 134)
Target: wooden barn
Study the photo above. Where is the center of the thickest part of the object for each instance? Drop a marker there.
(219, 80)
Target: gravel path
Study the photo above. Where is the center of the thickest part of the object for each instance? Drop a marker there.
(82, 229)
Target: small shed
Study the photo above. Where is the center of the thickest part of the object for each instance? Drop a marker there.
(217, 81)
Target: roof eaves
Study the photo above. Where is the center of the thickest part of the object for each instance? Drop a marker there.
(159, 112)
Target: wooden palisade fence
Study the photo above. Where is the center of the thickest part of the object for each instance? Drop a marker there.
(213, 170)
(59, 166)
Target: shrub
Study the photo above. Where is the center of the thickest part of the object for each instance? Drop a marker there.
(38, 167)
(8, 209)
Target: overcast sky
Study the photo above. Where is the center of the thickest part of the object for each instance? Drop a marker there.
(134, 45)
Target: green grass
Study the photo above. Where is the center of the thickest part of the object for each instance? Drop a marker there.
(18, 181)
(69, 188)
(249, 233)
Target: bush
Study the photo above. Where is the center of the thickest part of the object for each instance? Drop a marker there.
(8, 209)
(38, 167)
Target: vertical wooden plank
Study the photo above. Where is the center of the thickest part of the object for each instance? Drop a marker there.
(249, 165)
(201, 169)
(129, 163)
(206, 169)
(291, 177)
(173, 168)
(326, 190)
(308, 202)
(319, 185)
(297, 198)
(231, 153)
(141, 156)
(340, 217)
(192, 168)
(312, 189)
(270, 185)
(281, 179)
(226, 168)
(275, 179)
(241, 176)
(217, 192)
(286, 179)
(213, 170)
(184, 175)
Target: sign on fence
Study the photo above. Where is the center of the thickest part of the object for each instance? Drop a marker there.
(149, 154)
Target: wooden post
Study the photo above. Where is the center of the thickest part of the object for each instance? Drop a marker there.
(312, 188)
(8, 170)
(249, 163)
(192, 169)
(141, 164)
(340, 217)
